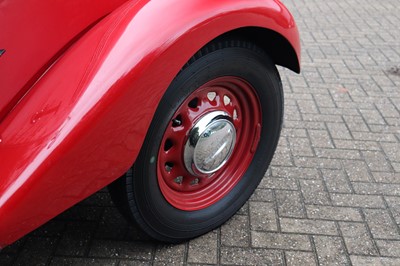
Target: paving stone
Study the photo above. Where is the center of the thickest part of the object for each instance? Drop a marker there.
(305, 125)
(355, 124)
(82, 213)
(75, 240)
(356, 170)
(282, 156)
(374, 261)
(236, 232)
(280, 241)
(204, 249)
(294, 132)
(262, 216)
(339, 131)
(300, 147)
(279, 183)
(396, 167)
(376, 161)
(330, 250)
(295, 172)
(242, 256)
(295, 258)
(121, 249)
(381, 224)
(394, 205)
(354, 200)
(338, 154)
(61, 261)
(14, 248)
(170, 254)
(322, 118)
(333, 213)
(36, 251)
(262, 195)
(289, 203)
(320, 139)
(357, 145)
(244, 210)
(6, 259)
(51, 229)
(379, 137)
(313, 192)
(113, 226)
(336, 181)
(389, 248)
(320, 163)
(372, 116)
(386, 177)
(307, 106)
(376, 188)
(392, 151)
(306, 226)
(138, 263)
(357, 239)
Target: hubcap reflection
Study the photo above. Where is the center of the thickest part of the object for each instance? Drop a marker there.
(210, 144)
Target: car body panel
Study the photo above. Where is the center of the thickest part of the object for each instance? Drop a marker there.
(83, 122)
(34, 33)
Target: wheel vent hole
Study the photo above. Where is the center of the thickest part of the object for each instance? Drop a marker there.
(194, 103)
(168, 166)
(235, 114)
(178, 180)
(211, 95)
(227, 100)
(168, 145)
(176, 122)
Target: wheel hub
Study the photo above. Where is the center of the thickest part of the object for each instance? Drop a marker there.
(210, 144)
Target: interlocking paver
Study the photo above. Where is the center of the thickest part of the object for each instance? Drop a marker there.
(333, 213)
(290, 204)
(354, 200)
(357, 238)
(170, 254)
(332, 193)
(246, 256)
(308, 226)
(236, 232)
(381, 224)
(295, 258)
(281, 241)
(330, 250)
(336, 181)
(204, 249)
(263, 216)
(314, 192)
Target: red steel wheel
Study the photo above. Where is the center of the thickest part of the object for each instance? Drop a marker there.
(232, 103)
(208, 146)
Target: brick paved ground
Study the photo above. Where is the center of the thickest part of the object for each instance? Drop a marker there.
(332, 195)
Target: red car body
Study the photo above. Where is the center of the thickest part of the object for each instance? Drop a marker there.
(80, 82)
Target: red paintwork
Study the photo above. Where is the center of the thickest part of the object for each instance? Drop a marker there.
(210, 189)
(33, 32)
(81, 125)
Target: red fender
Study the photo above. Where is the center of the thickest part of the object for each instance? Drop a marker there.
(83, 122)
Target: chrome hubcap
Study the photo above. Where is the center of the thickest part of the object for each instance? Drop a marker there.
(210, 144)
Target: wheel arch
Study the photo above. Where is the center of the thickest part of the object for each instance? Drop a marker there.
(273, 43)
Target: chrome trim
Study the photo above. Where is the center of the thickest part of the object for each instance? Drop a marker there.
(210, 144)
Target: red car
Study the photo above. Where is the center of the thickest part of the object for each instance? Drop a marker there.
(177, 104)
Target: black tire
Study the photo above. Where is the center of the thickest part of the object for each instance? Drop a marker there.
(137, 193)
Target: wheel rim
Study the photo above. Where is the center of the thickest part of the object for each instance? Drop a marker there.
(209, 143)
